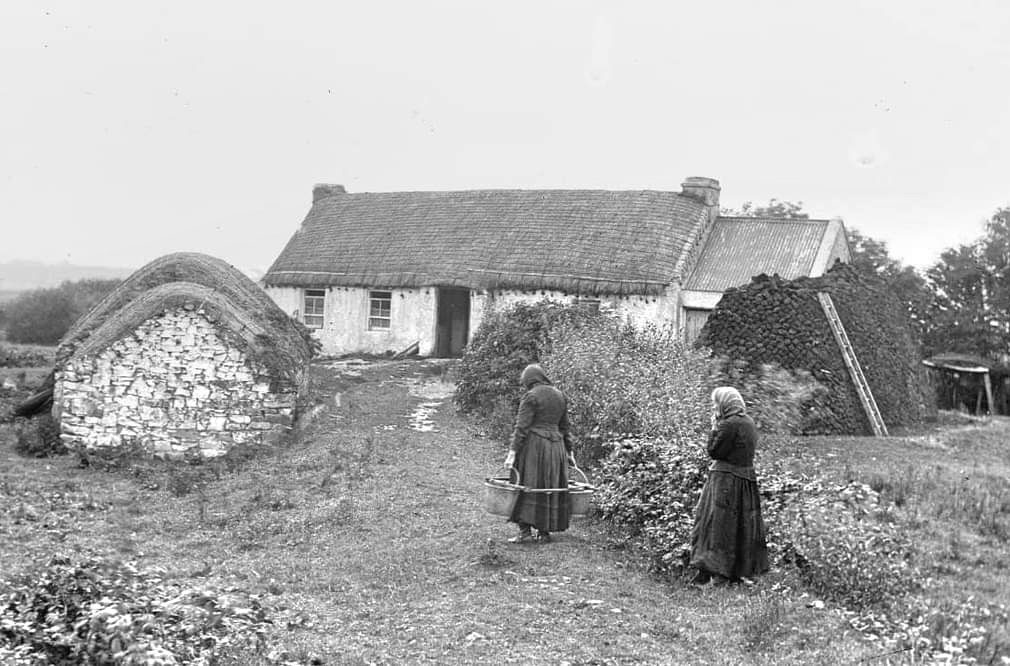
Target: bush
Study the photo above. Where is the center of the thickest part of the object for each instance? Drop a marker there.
(95, 612)
(627, 381)
(38, 437)
(43, 316)
(846, 547)
(507, 340)
(648, 492)
(647, 395)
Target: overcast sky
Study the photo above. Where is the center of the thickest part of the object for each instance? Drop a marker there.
(132, 129)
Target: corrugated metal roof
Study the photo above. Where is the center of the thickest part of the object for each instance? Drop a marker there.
(741, 247)
(590, 241)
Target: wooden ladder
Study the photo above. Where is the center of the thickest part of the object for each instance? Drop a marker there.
(852, 363)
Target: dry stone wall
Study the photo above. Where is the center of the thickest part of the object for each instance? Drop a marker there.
(173, 388)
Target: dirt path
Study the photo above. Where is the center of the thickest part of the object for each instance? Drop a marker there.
(368, 540)
(421, 574)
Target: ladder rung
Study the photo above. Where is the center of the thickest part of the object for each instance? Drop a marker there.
(852, 364)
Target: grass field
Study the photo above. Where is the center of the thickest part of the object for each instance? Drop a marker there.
(368, 540)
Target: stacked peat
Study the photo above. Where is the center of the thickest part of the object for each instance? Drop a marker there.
(780, 321)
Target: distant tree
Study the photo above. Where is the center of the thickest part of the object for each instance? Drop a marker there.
(43, 316)
(872, 256)
(788, 210)
(971, 310)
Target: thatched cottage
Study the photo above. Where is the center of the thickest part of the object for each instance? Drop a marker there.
(186, 357)
(378, 272)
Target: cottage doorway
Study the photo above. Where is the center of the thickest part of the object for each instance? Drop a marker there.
(453, 322)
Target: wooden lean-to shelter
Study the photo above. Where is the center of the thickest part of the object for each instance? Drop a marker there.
(187, 357)
(963, 382)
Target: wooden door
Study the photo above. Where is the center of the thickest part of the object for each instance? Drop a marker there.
(453, 325)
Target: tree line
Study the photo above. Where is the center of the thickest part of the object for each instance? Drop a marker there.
(959, 304)
(42, 316)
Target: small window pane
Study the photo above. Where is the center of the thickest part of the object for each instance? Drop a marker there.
(380, 307)
(314, 307)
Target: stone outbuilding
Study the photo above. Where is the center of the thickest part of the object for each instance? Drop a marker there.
(187, 357)
(376, 272)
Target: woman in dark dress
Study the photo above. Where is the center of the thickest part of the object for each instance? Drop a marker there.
(728, 540)
(541, 450)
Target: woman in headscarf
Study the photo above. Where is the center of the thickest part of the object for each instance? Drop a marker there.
(541, 451)
(728, 540)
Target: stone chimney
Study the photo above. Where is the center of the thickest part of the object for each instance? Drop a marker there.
(324, 191)
(705, 190)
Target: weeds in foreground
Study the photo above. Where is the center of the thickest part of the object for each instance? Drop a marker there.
(763, 624)
(95, 612)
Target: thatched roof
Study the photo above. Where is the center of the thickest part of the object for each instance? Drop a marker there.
(738, 248)
(239, 308)
(580, 241)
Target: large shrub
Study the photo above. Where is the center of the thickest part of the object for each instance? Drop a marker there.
(623, 381)
(43, 316)
(845, 544)
(646, 395)
(507, 340)
(648, 491)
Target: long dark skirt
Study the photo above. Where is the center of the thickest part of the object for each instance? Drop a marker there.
(543, 463)
(729, 534)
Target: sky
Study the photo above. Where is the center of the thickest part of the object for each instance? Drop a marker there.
(132, 129)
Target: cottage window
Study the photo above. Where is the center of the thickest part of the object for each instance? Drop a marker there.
(588, 304)
(312, 312)
(380, 305)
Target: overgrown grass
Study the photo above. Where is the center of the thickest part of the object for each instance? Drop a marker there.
(368, 544)
(945, 492)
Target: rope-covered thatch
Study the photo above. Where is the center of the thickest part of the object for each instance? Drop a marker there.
(195, 269)
(284, 355)
(578, 241)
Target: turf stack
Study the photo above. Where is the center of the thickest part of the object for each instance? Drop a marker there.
(780, 321)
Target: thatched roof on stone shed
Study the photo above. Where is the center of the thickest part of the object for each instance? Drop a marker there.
(239, 308)
(580, 241)
(242, 327)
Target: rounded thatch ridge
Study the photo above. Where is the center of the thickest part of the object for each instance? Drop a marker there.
(241, 311)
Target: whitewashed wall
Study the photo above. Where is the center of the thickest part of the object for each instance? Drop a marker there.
(660, 309)
(413, 312)
(173, 387)
(345, 319)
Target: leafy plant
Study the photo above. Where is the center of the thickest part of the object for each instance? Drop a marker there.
(846, 547)
(648, 492)
(627, 381)
(98, 612)
(38, 437)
